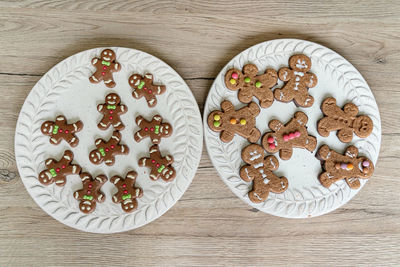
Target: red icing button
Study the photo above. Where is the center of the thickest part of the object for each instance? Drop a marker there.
(153, 161)
(107, 149)
(58, 169)
(146, 129)
(104, 67)
(124, 185)
(125, 191)
(158, 164)
(66, 131)
(110, 117)
(103, 73)
(63, 166)
(151, 129)
(145, 88)
(150, 91)
(60, 131)
(90, 185)
(111, 112)
(270, 140)
(89, 192)
(112, 146)
(272, 146)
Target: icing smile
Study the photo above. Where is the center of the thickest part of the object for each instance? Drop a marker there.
(106, 58)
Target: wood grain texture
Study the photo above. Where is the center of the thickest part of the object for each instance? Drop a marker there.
(209, 226)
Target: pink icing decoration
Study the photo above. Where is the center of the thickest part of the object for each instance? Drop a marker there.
(286, 137)
(297, 134)
(291, 135)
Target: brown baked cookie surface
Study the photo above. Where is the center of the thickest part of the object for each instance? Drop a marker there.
(127, 192)
(57, 171)
(111, 110)
(160, 167)
(259, 169)
(229, 122)
(297, 82)
(59, 130)
(155, 129)
(107, 150)
(345, 121)
(250, 84)
(348, 166)
(90, 194)
(143, 87)
(284, 138)
(105, 66)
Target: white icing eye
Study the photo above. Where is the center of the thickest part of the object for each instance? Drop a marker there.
(131, 206)
(109, 97)
(83, 208)
(88, 208)
(114, 97)
(45, 180)
(171, 172)
(46, 125)
(131, 80)
(126, 207)
(167, 176)
(94, 159)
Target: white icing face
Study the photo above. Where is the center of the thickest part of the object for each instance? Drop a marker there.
(112, 99)
(108, 55)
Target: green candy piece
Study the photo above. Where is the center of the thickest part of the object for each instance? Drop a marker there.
(141, 85)
(55, 130)
(247, 79)
(86, 197)
(127, 196)
(217, 123)
(53, 172)
(102, 151)
(161, 168)
(258, 84)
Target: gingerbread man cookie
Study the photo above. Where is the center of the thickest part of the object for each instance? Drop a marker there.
(345, 121)
(127, 192)
(298, 81)
(57, 171)
(155, 129)
(230, 121)
(111, 110)
(348, 166)
(285, 137)
(107, 150)
(250, 84)
(143, 87)
(59, 130)
(160, 166)
(90, 194)
(259, 169)
(105, 66)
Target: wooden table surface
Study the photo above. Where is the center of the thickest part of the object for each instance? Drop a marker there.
(209, 225)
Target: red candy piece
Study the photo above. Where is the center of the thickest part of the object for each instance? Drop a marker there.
(112, 146)
(107, 149)
(124, 185)
(103, 73)
(111, 112)
(153, 161)
(270, 140)
(125, 191)
(146, 129)
(110, 117)
(58, 169)
(63, 166)
(90, 185)
(66, 131)
(104, 67)
(272, 146)
(150, 92)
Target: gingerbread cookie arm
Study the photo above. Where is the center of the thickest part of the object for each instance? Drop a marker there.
(345, 135)
(278, 184)
(245, 95)
(303, 99)
(350, 109)
(310, 80)
(226, 136)
(227, 106)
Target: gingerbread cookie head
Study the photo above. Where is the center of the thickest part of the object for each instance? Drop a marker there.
(143, 87)
(107, 150)
(59, 130)
(284, 138)
(57, 170)
(363, 126)
(345, 121)
(259, 169)
(127, 193)
(108, 55)
(160, 167)
(250, 84)
(347, 166)
(155, 129)
(112, 99)
(229, 121)
(90, 194)
(297, 82)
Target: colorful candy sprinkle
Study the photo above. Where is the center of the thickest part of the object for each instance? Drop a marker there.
(233, 121)
(217, 123)
(217, 117)
(247, 79)
(242, 121)
(235, 75)
(232, 81)
(272, 146)
(365, 163)
(258, 84)
(270, 140)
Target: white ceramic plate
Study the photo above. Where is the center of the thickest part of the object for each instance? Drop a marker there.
(305, 197)
(66, 90)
